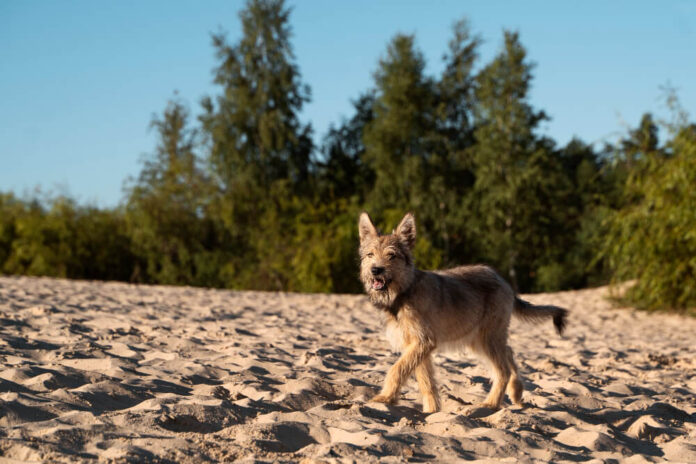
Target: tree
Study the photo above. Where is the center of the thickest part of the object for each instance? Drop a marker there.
(10, 209)
(520, 191)
(399, 140)
(259, 151)
(42, 239)
(253, 126)
(641, 144)
(167, 207)
(454, 179)
(572, 263)
(343, 171)
(396, 138)
(457, 90)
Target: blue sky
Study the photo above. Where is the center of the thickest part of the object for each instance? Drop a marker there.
(80, 80)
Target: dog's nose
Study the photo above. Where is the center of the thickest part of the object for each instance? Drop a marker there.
(376, 270)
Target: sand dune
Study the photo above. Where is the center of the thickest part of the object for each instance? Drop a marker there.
(113, 372)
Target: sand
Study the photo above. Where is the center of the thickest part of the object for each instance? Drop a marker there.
(111, 372)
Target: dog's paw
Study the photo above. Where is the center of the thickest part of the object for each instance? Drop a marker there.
(430, 405)
(430, 409)
(383, 399)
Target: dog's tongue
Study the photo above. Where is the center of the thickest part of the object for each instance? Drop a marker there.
(377, 284)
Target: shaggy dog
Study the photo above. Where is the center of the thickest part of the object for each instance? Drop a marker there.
(468, 307)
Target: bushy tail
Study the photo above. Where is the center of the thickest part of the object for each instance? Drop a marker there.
(530, 312)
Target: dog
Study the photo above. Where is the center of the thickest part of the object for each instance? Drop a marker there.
(464, 307)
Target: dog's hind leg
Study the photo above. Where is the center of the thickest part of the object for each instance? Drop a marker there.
(425, 376)
(495, 349)
(514, 386)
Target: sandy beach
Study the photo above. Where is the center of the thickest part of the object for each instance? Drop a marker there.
(112, 372)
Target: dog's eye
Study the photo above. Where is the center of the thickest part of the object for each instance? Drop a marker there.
(370, 255)
(391, 256)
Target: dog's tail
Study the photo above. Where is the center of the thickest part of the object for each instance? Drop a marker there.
(530, 312)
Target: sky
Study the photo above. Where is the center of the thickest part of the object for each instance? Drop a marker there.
(81, 80)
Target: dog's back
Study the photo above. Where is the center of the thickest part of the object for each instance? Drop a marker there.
(461, 303)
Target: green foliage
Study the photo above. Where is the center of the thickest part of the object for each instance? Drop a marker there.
(63, 240)
(520, 185)
(258, 151)
(451, 176)
(166, 210)
(396, 140)
(343, 172)
(456, 91)
(417, 145)
(325, 258)
(652, 238)
(10, 208)
(253, 127)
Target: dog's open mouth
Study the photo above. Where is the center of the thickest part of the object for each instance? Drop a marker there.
(379, 283)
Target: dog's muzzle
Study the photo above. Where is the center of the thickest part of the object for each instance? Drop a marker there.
(380, 283)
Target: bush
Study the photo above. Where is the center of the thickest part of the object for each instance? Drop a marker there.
(653, 238)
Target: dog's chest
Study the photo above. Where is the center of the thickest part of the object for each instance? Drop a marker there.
(394, 335)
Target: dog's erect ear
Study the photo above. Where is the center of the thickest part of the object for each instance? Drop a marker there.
(406, 230)
(365, 227)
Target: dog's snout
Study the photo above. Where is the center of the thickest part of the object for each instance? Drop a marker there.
(377, 270)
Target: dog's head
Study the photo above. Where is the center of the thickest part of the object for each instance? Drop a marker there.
(386, 261)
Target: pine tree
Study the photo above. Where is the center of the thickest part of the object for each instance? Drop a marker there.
(454, 178)
(253, 126)
(343, 172)
(398, 141)
(457, 89)
(167, 206)
(396, 138)
(520, 192)
(259, 149)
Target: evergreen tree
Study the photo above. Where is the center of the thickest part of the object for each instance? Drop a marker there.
(259, 150)
(572, 263)
(396, 138)
(399, 141)
(452, 164)
(167, 207)
(253, 126)
(521, 191)
(457, 91)
(343, 172)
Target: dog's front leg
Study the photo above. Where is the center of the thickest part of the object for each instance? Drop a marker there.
(414, 355)
(425, 376)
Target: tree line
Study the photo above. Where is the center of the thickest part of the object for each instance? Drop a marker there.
(242, 197)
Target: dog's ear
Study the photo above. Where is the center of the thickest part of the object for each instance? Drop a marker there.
(406, 230)
(365, 227)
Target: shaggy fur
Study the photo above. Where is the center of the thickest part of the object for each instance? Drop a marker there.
(465, 307)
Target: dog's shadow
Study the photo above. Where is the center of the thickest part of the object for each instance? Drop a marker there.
(391, 413)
